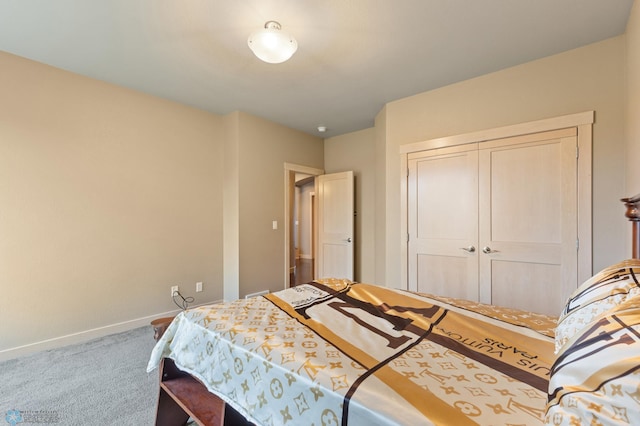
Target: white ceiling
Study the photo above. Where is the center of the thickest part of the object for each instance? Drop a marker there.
(353, 57)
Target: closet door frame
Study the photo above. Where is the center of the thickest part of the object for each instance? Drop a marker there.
(583, 122)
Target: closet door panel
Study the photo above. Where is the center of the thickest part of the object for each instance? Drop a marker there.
(444, 276)
(511, 285)
(442, 222)
(528, 196)
(526, 200)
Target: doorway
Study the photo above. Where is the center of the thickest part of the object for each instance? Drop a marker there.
(303, 226)
(299, 223)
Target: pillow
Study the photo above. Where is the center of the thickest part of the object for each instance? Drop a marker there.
(596, 379)
(603, 291)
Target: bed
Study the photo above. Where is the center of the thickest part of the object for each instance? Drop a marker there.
(334, 352)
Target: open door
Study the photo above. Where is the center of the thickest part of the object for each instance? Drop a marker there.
(335, 238)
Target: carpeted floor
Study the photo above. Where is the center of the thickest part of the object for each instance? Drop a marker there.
(101, 382)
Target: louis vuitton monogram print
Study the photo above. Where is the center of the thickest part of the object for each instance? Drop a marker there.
(603, 291)
(346, 353)
(596, 378)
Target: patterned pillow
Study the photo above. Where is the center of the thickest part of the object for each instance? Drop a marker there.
(596, 379)
(608, 288)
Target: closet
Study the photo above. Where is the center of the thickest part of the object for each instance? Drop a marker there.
(496, 220)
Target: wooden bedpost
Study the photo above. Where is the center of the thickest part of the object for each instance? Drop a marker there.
(633, 213)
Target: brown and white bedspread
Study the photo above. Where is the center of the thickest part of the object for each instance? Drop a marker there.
(359, 354)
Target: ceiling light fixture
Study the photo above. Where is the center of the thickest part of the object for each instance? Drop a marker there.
(271, 44)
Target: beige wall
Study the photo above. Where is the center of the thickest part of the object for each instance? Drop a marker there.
(633, 102)
(231, 208)
(107, 198)
(264, 148)
(589, 78)
(356, 151)
(382, 207)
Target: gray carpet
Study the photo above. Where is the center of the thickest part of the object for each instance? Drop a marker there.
(101, 382)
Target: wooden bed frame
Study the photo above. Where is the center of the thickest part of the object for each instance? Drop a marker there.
(182, 397)
(633, 213)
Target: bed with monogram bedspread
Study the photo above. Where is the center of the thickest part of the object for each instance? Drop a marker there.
(336, 352)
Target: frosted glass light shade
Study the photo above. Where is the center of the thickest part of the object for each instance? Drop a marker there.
(271, 44)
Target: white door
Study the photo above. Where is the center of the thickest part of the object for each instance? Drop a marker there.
(496, 221)
(528, 220)
(443, 222)
(334, 197)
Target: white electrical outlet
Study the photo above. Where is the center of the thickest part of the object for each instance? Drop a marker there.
(174, 290)
(198, 287)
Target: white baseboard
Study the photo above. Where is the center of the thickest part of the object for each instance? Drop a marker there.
(86, 335)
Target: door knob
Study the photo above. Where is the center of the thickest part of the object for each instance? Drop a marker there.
(487, 250)
(469, 249)
(349, 239)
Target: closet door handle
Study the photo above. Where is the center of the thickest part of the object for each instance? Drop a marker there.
(487, 250)
(469, 249)
(349, 239)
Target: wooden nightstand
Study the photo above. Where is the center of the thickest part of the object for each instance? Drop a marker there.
(160, 326)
